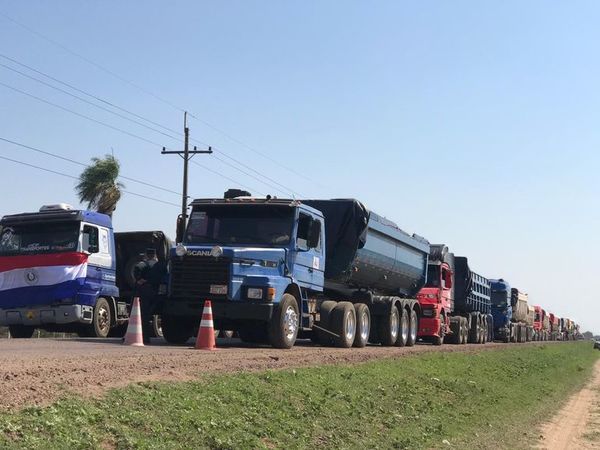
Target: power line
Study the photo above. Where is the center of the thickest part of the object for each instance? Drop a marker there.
(261, 180)
(148, 92)
(81, 91)
(89, 61)
(79, 163)
(88, 102)
(80, 115)
(77, 178)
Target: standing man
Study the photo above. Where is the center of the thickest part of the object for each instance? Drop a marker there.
(149, 275)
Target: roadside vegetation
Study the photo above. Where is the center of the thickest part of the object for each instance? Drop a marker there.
(487, 399)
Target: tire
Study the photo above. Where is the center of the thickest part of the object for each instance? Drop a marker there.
(456, 329)
(403, 328)
(484, 330)
(343, 323)
(413, 328)
(101, 321)
(20, 331)
(474, 329)
(284, 325)
(389, 327)
(363, 325)
(490, 322)
(156, 330)
(176, 331)
(325, 310)
(439, 339)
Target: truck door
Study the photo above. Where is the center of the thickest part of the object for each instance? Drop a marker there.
(96, 241)
(309, 262)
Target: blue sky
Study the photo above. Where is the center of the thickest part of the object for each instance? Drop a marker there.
(471, 123)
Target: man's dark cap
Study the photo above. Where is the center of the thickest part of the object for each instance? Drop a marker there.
(151, 252)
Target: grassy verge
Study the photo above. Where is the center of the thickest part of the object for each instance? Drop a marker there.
(489, 399)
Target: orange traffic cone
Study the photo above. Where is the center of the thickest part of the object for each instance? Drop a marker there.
(206, 332)
(134, 334)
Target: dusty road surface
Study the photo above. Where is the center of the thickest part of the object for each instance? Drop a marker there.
(38, 371)
(577, 424)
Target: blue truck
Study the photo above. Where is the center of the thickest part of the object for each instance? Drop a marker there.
(513, 319)
(276, 270)
(63, 269)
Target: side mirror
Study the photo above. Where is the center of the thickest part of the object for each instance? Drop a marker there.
(93, 249)
(314, 234)
(179, 229)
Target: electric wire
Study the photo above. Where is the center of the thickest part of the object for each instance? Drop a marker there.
(148, 92)
(89, 102)
(261, 180)
(95, 97)
(79, 163)
(77, 178)
(89, 61)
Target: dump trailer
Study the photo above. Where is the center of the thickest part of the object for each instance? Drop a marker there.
(510, 312)
(530, 319)
(62, 271)
(276, 270)
(546, 325)
(455, 302)
(554, 327)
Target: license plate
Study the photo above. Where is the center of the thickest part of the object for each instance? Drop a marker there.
(218, 289)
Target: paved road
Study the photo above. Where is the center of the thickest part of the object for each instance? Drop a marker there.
(38, 371)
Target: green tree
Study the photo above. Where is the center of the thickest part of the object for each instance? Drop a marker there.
(98, 185)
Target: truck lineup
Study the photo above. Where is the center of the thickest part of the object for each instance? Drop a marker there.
(275, 270)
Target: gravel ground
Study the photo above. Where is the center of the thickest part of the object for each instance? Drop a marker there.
(39, 371)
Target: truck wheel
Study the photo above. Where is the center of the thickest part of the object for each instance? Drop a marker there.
(389, 327)
(325, 310)
(176, 331)
(20, 331)
(490, 323)
(156, 330)
(403, 328)
(474, 329)
(465, 330)
(283, 328)
(439, 339)
(414, 328)
(484, 330)
(101, 321)
(343, 323)
(363, 325)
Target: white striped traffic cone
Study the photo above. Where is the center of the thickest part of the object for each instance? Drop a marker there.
(206, 332)
(134, 334)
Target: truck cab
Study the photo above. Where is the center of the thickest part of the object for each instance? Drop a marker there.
(502, 309)
(248, 256)
(57, 272)
(436, 300)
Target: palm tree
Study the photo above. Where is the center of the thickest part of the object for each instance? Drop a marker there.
(98, 185)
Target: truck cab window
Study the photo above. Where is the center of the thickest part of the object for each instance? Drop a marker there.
(303, 228)
(90, 239)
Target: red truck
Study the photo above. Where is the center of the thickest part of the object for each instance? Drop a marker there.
(554, 327)
(540, 324)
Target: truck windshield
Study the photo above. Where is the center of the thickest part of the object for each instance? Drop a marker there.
(433, 276)
(241, 224)
(39, 238)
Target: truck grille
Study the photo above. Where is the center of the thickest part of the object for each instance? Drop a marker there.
(192, 276)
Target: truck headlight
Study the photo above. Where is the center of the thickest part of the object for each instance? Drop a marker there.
(216, 251)
(255, 293)
(180, 250)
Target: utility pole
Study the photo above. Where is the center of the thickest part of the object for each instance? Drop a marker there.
(187, 155)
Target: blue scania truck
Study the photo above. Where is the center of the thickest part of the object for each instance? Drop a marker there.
(64, 269)
(276, 270)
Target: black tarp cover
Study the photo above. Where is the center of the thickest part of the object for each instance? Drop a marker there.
(346, 223)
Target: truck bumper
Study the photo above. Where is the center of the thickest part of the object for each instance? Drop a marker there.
(428, 327)
(223, 310)
(47, 315)
(502, 333)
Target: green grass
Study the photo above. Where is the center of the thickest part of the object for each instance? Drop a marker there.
(491, 399)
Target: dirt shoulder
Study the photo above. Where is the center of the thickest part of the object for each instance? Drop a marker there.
(38, 371)
(577, 424)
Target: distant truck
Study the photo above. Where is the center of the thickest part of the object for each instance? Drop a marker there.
(276, 270)
(65, 270)
(455, 302)
(512, 319)
(541, 324)
(554, 321)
